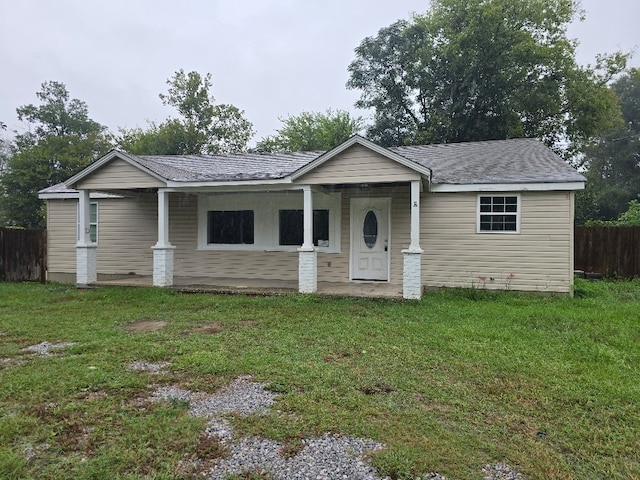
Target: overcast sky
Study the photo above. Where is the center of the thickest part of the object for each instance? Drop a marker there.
(270, 58)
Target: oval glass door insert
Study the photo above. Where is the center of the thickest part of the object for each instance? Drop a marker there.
(370, 229)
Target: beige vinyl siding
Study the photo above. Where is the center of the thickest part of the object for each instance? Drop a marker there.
(61, 236)
(538, 258)
(127, 229)
(119, 174)
(358, 164)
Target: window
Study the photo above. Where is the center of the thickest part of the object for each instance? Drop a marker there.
(499, 213)
(266, 221)
(93, 222)
(230, 227)
(291, 226)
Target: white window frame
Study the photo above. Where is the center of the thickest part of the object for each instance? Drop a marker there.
(266, 210)
(92, 205)
(517, 214)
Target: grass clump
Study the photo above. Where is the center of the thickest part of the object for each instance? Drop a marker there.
(454, 382)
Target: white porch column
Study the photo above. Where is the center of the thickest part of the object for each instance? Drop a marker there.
(307, 254)
(412, 256)
(163, 250)
(86, 271)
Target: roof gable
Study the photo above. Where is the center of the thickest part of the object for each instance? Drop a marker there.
(358, 164)
(116, 170)
(367, 144)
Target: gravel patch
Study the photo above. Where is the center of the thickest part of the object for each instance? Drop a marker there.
(501, 471)
(172, 393)
(220, 428)
(327, 457)
(44, 349)
(140, 366)
(10, 362)
(242, 396)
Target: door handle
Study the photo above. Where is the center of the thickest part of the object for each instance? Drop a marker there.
(386, 246)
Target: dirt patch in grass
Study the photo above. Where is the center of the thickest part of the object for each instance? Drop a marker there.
(338, 357)
(143, 326)
(208, 329)
(210, 447)
(71, 430)
(292, 445)
(377, 388)
(199, 463)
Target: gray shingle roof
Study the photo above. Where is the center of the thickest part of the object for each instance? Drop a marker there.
(242, 166)
(58, 188)
(490, 162)
(498, 161)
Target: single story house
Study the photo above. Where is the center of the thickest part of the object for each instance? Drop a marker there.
(495, 214)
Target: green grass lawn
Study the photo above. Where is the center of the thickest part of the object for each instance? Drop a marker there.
(451, 383)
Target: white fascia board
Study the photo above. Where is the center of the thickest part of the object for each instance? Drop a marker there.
(106, 159)
(357, 139)
(233, 186)
(230, 183)
(507, 187)
(69, 195)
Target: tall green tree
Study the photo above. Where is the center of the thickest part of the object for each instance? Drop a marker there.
(59, 141)
(612, 161)
(203, 127)
(483, 69)
(312, 132)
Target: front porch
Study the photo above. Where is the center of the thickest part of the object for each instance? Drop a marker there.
(261, 287)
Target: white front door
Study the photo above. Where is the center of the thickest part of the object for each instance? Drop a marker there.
(370, 238)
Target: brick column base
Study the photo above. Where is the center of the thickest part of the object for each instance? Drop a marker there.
(86, 270)
(412, 274)
(163, 266)
(307, 270)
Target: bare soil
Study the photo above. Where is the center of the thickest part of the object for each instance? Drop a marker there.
(142, 326)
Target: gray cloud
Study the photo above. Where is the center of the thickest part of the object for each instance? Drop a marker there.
(270, 58)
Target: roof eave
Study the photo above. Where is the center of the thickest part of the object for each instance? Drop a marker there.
(508, 187)
(75, 195)
(228, 183)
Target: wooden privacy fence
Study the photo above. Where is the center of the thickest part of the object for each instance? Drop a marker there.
(23, 255)
(610, 251)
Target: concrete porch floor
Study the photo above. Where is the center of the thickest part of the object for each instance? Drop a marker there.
(262, 287)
